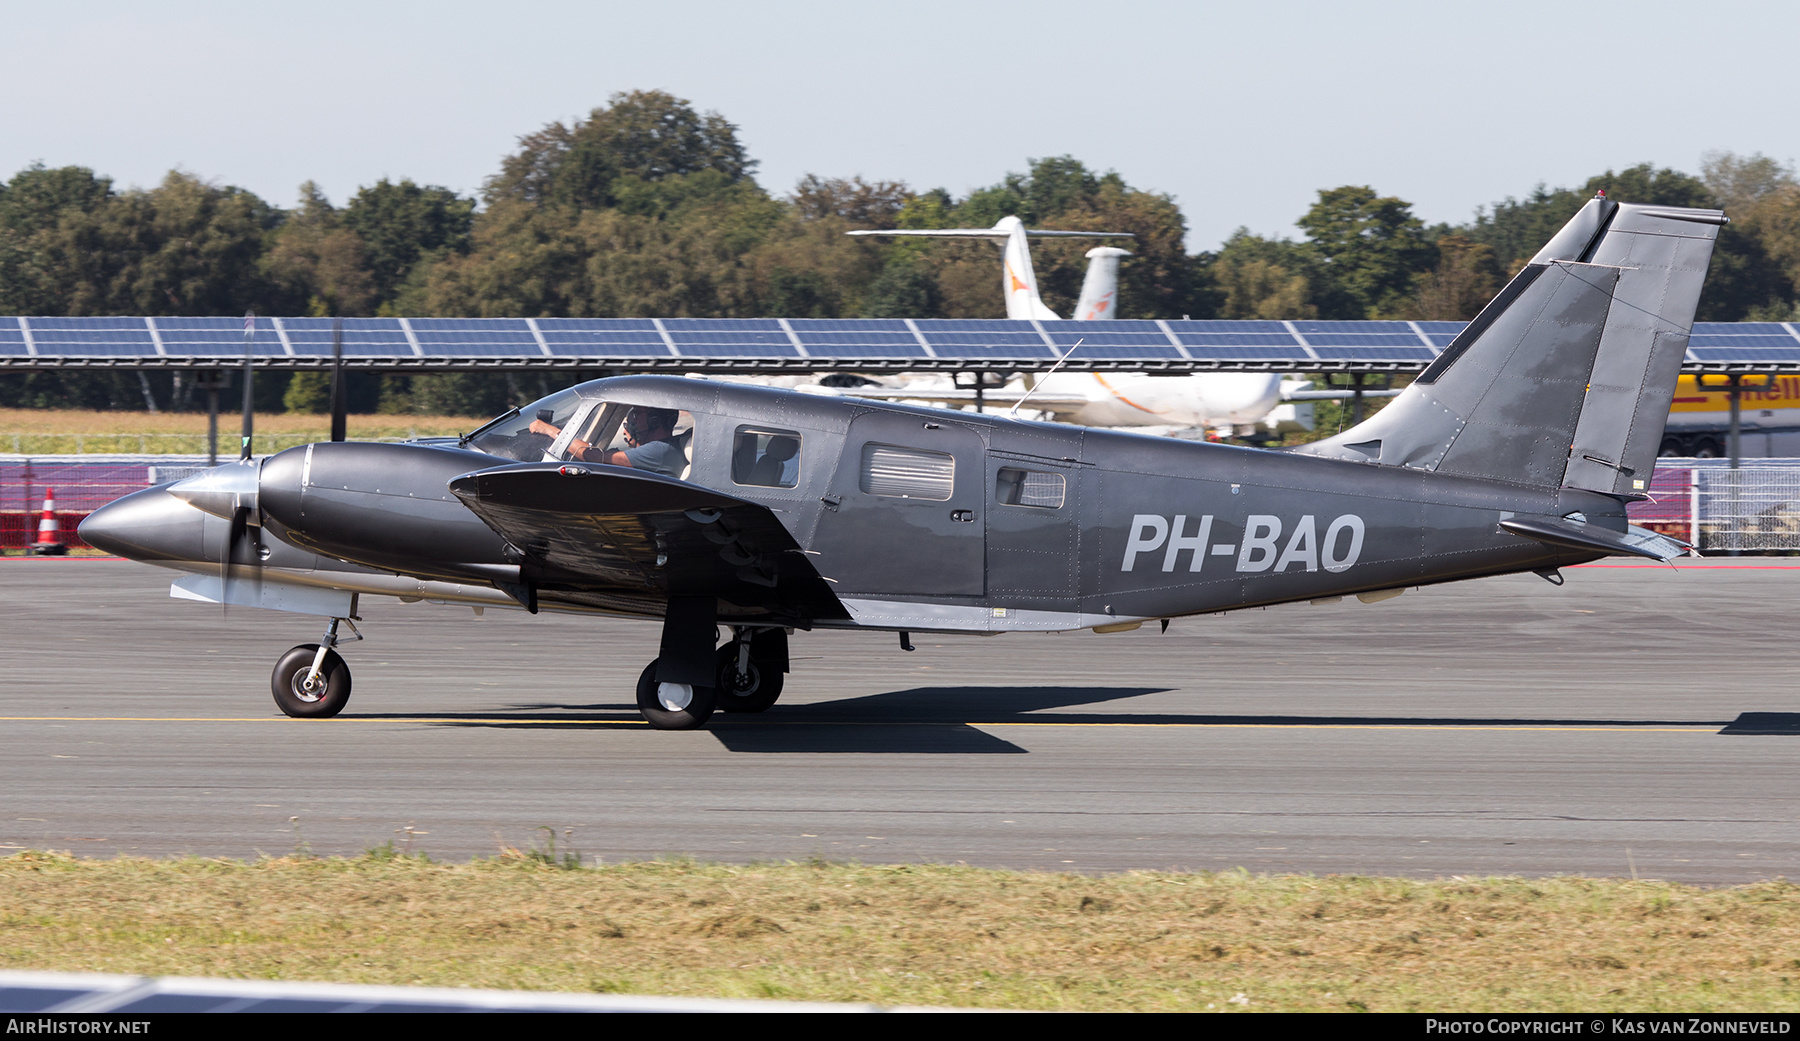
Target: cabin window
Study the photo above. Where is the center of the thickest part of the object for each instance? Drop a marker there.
(1016, 487)
(511, 437)
(637, 432)
(907, 473)
(766, 458)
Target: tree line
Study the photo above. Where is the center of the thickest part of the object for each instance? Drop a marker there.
(648, 207)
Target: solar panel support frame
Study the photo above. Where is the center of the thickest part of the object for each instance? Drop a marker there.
(668, 341)
(412, 338)
(287, 345)
(793, 338)
(1300, 338)
(538, 335)
(924, 344)
(1180, 348)
(1426, 340)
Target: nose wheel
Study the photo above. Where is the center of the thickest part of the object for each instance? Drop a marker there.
(312, 681)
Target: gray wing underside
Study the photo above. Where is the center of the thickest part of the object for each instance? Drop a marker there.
(592, 528)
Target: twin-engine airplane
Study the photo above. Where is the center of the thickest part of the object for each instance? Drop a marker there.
(767, 511)
(1228, 402)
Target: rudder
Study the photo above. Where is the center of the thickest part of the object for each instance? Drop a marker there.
(1565, 378)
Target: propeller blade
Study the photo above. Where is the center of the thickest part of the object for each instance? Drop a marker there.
(237, 526)
(249, 372)
(337, 379)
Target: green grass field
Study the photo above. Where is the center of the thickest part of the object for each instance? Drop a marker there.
(924, 935)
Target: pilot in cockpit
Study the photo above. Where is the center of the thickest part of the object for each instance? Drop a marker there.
(649, 439)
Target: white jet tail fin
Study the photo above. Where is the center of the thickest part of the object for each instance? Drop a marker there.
(1100, 289)
(1018, 281)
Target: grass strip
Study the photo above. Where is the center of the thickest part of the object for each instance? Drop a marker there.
(67, 431)
(920, 934)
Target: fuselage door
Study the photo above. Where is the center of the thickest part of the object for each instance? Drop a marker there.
(906, 510)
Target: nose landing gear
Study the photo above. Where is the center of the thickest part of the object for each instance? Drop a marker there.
(311, 681)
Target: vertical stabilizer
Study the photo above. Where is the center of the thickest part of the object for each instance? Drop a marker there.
(1662, 254)
(1565, 377)
(1100, 288)
(1018, 281)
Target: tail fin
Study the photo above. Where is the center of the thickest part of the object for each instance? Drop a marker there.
(1564, 379)
(1100, 289)
(1018, 282)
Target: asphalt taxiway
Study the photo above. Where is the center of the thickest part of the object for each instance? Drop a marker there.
(1488, 727)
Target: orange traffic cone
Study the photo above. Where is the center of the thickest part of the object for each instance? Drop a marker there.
(49, 540)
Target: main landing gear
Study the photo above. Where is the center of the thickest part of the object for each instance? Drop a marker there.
(744, 675)
(311, 681)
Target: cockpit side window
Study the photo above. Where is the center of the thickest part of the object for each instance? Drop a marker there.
(656, 440)
(765, 457)
(511, 437)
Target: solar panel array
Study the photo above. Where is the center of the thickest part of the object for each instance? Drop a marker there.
(795, 343)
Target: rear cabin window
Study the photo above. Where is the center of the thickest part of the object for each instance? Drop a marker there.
(907, 473)
(1016, 487)
(766, 458)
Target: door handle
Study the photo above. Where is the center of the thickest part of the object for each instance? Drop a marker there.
(966, 516)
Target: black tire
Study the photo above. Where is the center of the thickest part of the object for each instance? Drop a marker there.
(763, 685)
(1707, 448)
(1670, 449)
(288, 684)
(690, 717)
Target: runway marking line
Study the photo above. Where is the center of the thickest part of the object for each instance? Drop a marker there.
(1698, 728)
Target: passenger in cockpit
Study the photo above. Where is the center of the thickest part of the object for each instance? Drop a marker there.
(649, 434)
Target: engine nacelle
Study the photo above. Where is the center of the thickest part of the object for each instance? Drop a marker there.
(383, 505)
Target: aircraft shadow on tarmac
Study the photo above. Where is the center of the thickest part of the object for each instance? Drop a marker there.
(946, 720)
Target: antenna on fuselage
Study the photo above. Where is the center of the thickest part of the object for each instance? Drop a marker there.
(1014, 413)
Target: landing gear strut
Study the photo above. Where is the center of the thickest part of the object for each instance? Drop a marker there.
(680, 689)
(311, 681)
(752, 668)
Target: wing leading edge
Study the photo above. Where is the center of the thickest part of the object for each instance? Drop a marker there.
(588, 527)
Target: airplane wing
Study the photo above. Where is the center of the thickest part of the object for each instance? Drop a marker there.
(998, 396)
(594, 527)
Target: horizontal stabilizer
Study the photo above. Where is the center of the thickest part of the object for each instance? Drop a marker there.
(1573, 534)
(612, 529)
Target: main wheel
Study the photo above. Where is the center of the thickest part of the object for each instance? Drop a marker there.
(673, 706)
(753, 691)
(322, 700)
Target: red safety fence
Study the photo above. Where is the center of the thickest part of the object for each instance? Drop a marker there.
(80, 487)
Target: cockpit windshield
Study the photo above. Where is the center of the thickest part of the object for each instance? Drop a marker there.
(511, 437)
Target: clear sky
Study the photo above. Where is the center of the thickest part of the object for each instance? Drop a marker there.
(1241, 111)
